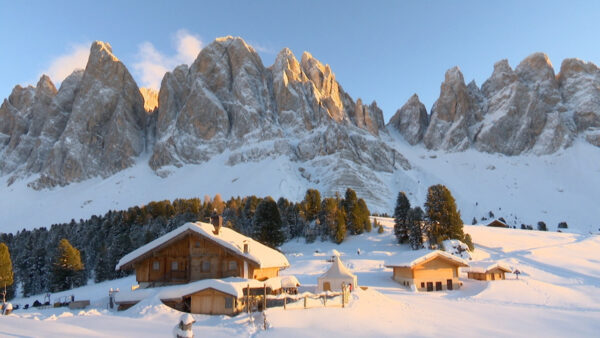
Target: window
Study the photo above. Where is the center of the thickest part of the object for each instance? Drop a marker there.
(438, 286)
(232, 265)
(449, 284)
(228, 302)
(156, 265)
(174, 266)
(206, 266)
(197, 244)
(422, 284)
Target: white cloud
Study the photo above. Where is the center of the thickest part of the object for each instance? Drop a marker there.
(64, 65)
(152, 64)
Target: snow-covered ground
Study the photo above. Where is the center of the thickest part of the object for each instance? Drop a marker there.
(557, 294)
(522, 189)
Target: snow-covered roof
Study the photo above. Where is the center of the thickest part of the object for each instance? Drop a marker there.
(484, 267)
(337, 270)
(258, 253)
(232, 286)
(413, 258)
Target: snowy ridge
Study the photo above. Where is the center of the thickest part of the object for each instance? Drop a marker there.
(259, 253)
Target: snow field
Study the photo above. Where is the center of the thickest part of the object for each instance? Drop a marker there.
(556, 295)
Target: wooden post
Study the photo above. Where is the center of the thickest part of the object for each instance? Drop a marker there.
(305, 302)
(325, 300)
(248, 298)
(265, 296)
(284, 302)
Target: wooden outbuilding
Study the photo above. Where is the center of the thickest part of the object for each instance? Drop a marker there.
(427, 270)
(498, 224)
(197, 251)
(483, 271)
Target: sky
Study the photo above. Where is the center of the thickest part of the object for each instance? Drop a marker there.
(382, 51)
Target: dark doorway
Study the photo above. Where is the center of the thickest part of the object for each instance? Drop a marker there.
(429, 286)
(449, 284)
(438, 286)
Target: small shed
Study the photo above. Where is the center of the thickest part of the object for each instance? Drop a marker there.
(498, 224)
(337, 275)
(484, 271)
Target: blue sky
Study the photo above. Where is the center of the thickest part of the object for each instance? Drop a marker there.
(379, 50)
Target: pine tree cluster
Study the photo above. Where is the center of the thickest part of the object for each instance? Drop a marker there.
(440, 221)
(102, 240)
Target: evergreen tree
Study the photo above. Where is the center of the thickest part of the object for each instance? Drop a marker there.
(363, 214)
(442, 212)
(6, 271)
(469, 242)
(400, 218)
(312, 204)
(67, 267)
(415, 231)
(267, 223)
(542, 226)
(340, 226)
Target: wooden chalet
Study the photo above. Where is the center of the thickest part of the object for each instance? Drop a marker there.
(197, 251)
(484, 272)
(498, 224)
(427, 270)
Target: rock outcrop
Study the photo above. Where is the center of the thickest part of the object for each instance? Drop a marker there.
(528, 109)
(453, 115)
(411, 120)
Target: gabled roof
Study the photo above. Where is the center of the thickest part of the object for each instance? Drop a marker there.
(259, 253)
(498, 224)
(337, 270)
(414, 258)
(485, 267)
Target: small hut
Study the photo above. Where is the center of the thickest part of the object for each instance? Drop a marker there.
(497, 224)
(482, 271)
(336, 276)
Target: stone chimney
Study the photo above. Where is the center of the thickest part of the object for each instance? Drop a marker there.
(216, 221)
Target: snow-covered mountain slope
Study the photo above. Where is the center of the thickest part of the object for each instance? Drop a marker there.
(557, 294)
(522, 189)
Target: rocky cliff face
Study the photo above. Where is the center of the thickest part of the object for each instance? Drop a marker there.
(411, 120)
(528, 109)
(227, 102)
(94, 125)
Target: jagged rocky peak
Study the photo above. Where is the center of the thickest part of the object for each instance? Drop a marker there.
(502, 76)
(536, 68)
(105, 129)
(326, 86)
(411, 120)
(579, 83)
(452, 115)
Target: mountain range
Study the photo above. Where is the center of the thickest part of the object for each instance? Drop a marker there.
(228, 110)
